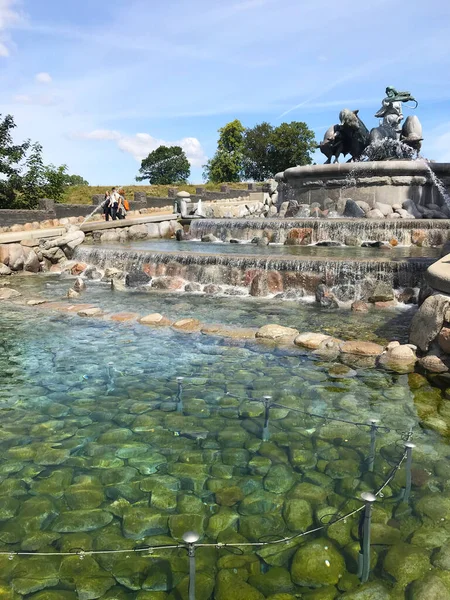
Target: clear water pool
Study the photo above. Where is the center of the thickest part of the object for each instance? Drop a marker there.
(101, 456)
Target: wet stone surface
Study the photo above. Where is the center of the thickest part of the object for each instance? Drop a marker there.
(95, 456)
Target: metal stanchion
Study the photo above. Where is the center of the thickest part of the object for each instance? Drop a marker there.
(190, 537)
(267, 404)
(373, 435)
(110, 377)
(364, 537)
(409, 448)
(180, 394)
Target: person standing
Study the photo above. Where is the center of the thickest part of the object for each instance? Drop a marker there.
(114, 203)
(105, 206)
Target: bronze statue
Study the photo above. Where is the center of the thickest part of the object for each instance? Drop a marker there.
(351, 136)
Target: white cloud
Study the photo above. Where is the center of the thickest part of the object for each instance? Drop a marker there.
(37, 99)
(8, 17)
(43, 78)
(141, 144)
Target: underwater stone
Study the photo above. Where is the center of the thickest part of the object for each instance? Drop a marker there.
(297, 514)
(90, 580)
(82, 496)
(307, 491)
(255, 527)
(131, 573)
(406, 563)
(277, 579)
(260, 502)
(279, 479)
(180, 524)
(259, 465)
(374, 590)
(317, 563)
(431, 587)
(274, 332)
(35, 573)
(49, 595)
(204, 586)
(140, 521)
(225, 519)
(229, 496)
(227, 580)
(434, 506)
(81, 520)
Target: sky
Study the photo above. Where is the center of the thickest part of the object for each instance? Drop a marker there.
(101, 83)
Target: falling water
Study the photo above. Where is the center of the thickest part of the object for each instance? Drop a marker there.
(91, 214)
(347, 278)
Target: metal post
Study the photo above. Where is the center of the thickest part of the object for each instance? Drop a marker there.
(364, 537)
(409, 448)
(373, 441)
(266, 433)
(190, 537)
(110, 376)
(180, 394)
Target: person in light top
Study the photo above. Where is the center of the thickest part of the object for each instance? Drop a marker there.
(114, 203)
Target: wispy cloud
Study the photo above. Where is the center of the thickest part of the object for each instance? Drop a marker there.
(141, 144)
(9, 15)
(43, 78)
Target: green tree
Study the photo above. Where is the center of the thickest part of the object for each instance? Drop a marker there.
(292, 146)
(55, 182)
(31, 184)
(258, 152)
(226, 164)
(164, 166)
(11, 156)
(75, 180)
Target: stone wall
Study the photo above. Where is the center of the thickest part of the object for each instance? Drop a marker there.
(388, 182)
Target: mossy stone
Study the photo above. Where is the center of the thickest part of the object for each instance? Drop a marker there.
(8, 508)
(51, 595)
(340, 469)
(204, 586)
(39, 540)
(140, 521)
(131, 572)
(118, 593)
(429, 588)
(257, 527)
(81, 520)
(273, 452)
(406, 563)
(229, 496)
(144, 595)
(277, 579)
(35, 573)
(325, 593)
(190, 504)
(314, 494)
(302, 458)
(317, 563)
(434, 506)
(227, 582)
(259, 465)
(81, 496)
(297, 514)
(54, 485)
(374, 590)
(159, 577)
(180, 524)
(163, 499)
(279, 479)
(260, 502)
(225, 519)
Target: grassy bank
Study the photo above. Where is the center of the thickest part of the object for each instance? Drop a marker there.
(82, 194)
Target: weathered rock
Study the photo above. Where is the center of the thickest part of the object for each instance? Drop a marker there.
(382, 292)
(428, 320)
(361, 348)
(138, 232)
(374, 590)
(352, 240)
(136, 279)
(310, 340)
(359, 306)
(277, 581)
(274, 332)
(79, 285)
(353, 210)
(8, 293)
(73, 294)
(156, 320)
(444, 339)
(299, 237)
(34, 574)
(90, 312)
(141, 521)
(209, 237)
(385, 209)
(187, 325)
(4, 270)
(410, 206)
(325, 297)
(16, 257)
(168, 283)
(375, 214)
(400, 358)
(31, 261)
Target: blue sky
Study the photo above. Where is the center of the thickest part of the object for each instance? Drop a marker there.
(100, 83)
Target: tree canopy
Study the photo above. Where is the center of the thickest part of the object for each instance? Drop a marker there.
(24, 178)
(259, 152)
(226, 164)
(164, 166)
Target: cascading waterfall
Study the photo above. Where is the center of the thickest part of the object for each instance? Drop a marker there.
(338, 230)
(347, 278)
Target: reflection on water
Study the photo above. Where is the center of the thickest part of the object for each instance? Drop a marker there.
(87, 465)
